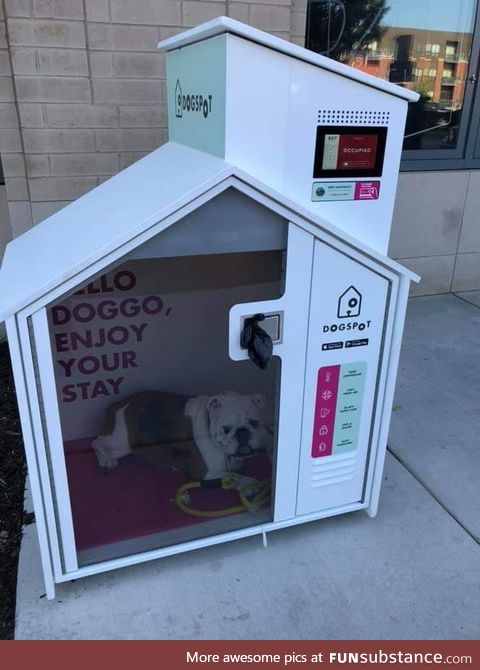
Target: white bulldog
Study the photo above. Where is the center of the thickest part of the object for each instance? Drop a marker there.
(204, 436)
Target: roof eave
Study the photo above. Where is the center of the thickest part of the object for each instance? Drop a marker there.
(224, 24)
(40, 294)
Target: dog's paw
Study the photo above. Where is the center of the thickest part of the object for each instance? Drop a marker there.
(247, 485)
(107, 464)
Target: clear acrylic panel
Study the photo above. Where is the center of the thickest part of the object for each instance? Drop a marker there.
(151, 403)
(423, 46)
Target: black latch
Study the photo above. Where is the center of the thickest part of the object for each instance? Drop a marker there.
(256, 341)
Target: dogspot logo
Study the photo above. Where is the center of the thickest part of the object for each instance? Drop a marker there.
(351, 325)
(349, 303)
(191, 102)
(349, 306)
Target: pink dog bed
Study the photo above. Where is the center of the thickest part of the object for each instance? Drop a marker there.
(134, 499)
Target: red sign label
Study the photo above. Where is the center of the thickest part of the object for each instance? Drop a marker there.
(357, 152)
(366, 190)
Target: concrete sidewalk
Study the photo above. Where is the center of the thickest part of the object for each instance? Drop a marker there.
(413, 572)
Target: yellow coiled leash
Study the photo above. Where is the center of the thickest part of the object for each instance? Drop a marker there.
(253, 495)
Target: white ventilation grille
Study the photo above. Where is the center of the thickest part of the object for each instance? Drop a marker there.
(333, 470)
(352, 117)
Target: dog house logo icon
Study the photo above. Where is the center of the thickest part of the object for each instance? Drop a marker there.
(192, 102)
(349, 303)
(178, 100)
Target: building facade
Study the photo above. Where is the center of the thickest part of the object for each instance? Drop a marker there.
(82, 91)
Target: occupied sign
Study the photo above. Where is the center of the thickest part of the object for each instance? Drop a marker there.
(349, 152)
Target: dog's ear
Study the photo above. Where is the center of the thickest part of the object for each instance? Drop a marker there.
(214, 404)
(258, 400)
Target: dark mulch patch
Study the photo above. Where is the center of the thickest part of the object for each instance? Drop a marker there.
(12, 481)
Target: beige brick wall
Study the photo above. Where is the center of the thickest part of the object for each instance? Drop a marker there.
(298, 22)
(82, 88)
(15, 200)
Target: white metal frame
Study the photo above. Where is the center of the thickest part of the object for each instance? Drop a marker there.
(292, 350)
(39, 442)
(55, 442)
(391, 360)
(49, 552)
(52, 552)
(399, 282)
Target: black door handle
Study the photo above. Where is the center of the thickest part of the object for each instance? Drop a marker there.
(256, 341)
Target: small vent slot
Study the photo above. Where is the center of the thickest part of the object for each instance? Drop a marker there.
(352, 117)
(333, 462)
(336, 469)
(332, 480)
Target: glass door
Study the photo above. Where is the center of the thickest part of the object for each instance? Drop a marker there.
(166, 438)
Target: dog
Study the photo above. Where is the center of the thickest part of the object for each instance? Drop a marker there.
(204, 436)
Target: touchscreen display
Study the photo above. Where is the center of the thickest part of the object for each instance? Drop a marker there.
(341, 152)
(349, 151)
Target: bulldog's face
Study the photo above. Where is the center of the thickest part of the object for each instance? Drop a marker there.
(237, 423)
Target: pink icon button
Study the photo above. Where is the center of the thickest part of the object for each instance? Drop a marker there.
(325, 408)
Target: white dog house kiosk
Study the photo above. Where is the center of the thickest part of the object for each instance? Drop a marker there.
(205, 346)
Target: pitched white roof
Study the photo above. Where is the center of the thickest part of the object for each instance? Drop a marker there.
(126, 205)
(224, 24)
(89, 228)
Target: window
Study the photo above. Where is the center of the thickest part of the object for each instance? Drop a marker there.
(431, 47)
(451, 50)
(448, 71)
